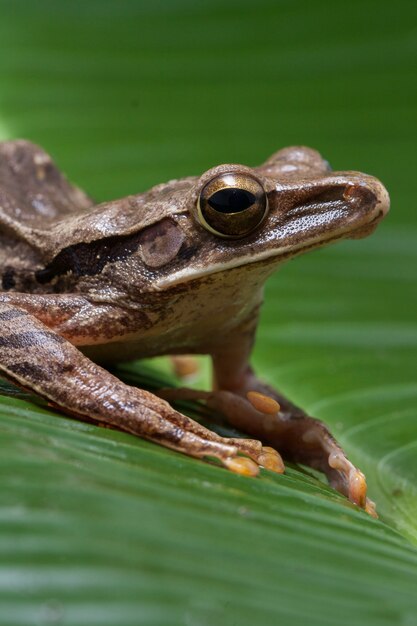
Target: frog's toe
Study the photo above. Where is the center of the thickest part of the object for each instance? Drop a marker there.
(357, 487)
(370, 508)
(264, 456)
(357, 492)
(272, 460)
(241, 465)
(348, 479)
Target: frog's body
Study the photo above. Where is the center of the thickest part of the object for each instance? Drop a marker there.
(178, 269)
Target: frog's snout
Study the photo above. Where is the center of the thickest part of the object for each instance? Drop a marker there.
(368, 194)
(383, 200)
(370, 197)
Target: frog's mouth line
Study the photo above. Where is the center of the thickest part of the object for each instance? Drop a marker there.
(280, 254)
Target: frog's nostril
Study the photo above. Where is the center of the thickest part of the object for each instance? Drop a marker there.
(369, 194)
(359, 196)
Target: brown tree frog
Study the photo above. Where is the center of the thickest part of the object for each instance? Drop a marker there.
(179, 269)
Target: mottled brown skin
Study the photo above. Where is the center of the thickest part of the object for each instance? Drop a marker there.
(141, 276)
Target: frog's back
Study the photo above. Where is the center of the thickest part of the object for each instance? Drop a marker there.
(34, 195)
(40, 207)
(33, 192)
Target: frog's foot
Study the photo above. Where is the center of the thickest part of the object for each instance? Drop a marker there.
(349, 480)
(263, 456)
(240, 455)
(300, 438)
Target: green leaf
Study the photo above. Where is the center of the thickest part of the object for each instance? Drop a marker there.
(97, 527)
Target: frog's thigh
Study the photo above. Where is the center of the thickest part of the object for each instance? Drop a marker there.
(72, 316)
(37, 358)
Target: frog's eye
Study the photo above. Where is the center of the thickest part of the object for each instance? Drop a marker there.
(232, 204)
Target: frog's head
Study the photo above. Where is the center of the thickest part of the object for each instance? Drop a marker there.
(290, 204)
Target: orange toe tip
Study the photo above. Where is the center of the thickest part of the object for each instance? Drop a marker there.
(357, 488)
(241, 465)
(370, 508)
(270, 459)
(263, 403)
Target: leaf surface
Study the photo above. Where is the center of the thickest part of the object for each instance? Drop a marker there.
(97, 527)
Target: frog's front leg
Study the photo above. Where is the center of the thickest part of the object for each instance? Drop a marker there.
(37, 358)
(296, 435)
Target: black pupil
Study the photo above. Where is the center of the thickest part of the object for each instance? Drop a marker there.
(231, 200)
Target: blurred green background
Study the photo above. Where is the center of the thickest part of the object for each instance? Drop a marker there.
(100, 528)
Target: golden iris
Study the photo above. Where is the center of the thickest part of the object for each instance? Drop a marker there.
(232, 204)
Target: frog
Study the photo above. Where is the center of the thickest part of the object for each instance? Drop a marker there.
(177, 270)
